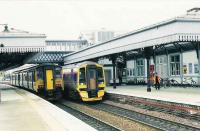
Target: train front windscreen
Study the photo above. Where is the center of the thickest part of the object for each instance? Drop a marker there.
(92, 76)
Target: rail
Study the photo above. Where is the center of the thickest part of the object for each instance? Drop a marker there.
(153, 121)
(92, 121)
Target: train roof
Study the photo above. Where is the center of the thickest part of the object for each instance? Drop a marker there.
(76, 65)
(31, 66)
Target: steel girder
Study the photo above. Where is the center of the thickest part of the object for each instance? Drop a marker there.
(46, 57)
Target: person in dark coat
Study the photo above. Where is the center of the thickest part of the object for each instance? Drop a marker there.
(157, 82)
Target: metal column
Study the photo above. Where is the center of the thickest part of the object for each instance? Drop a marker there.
(154, 60)
(181, 66)
(168, 64)
(148, 52)
(148, 76)
(113, 58)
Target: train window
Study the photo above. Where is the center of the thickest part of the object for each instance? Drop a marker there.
(66, 77)
(39, 74)
(100, 74)
(74, 78)
(92, 74)
(82, 75)
(58, 72)
(33, 76)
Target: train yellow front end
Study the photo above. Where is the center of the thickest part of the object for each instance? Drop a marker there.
(85, 81)
(44, 79)
(49, 81)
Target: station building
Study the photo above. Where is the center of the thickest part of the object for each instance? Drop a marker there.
(178, 61)
(65, 45)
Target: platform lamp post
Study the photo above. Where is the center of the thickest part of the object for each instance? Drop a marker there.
(148, 51)
(198, 57)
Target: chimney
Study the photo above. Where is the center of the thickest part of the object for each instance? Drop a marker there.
(6, 28)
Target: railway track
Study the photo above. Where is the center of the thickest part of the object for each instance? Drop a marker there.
(179, 113)
(102, 120)
(176, 109)
(90, 120)
(156, 122)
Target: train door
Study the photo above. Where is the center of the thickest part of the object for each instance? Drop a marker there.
(22, 79)
(18, 79)
(49, 79)
(15, 77)
(27, 79)
(32, 80)
(92, 78)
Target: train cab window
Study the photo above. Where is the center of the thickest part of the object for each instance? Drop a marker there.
(82, 76)
(39, 74)
(33, 76)
(58, 72)
(100, 74)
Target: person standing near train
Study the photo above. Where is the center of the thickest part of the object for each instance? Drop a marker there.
(157, 81)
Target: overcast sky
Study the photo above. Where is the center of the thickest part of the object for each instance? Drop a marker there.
(65, 19)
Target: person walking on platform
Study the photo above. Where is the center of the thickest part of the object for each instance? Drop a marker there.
(157, 82)
(152, 79)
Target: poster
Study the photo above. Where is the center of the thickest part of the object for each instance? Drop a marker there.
(151, 68)
(184, 69)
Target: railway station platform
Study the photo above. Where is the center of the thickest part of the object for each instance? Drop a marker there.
(190, 96)
(21, 110)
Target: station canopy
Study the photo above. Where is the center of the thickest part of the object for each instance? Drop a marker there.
(179, 32)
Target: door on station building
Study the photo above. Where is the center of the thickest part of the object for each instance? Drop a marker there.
(161, 66)
(107, 76)
(49, 79)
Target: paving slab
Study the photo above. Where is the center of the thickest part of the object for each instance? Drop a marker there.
(21, 110)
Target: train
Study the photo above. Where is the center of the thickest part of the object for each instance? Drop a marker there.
(84, 81)
(44, 79)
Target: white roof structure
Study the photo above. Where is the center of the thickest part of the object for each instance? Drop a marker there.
(26, 66)
(13, 40)
(184, 28)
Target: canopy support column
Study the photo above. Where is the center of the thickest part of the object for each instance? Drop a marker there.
(113, 58)
(148, 51)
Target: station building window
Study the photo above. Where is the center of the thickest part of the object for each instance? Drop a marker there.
(175, 65)
(196, 68)
(140, 67)
(127, 72)
(131, 72)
